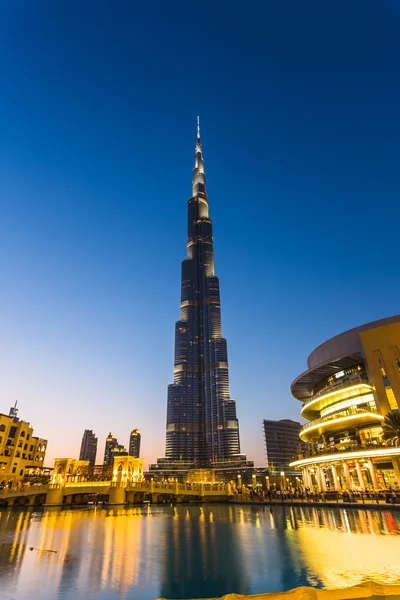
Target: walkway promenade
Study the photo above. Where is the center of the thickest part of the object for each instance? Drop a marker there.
(370, 501)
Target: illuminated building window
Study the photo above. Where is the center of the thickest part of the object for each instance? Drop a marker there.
(382, 367)
(391, 398)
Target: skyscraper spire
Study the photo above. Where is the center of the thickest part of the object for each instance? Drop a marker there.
(199, 178)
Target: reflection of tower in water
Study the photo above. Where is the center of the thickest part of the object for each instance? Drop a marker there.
(201, 555)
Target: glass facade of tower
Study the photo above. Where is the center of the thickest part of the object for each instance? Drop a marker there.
(202, 428)
(88, 446)
(134, 443)
(282, 444)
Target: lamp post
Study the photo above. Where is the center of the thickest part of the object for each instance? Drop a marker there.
(283, 480)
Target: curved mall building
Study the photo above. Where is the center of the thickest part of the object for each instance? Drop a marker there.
(352, 382)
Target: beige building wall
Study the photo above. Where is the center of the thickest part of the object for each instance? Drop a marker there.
(382, 352)
(20, 451)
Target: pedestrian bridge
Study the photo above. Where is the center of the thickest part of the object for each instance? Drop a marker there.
(113, 492)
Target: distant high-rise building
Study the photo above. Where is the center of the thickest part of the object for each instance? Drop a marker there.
(134, 443)
(202, 429)
(88, 447)
(111, 444)
(282, 443)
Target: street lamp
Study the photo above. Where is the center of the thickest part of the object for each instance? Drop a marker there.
(282, 480)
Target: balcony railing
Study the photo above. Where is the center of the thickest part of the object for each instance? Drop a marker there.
(354, 380)
(350, 447)
(349, 412)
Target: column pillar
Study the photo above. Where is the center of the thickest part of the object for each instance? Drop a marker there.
(373, 474)
(321, 479)
(335, 477)
(304, 477)
(360, 477)
(396, 468)
(117, 493)
(55, 494)
(310, 481)
(309, 478)
(347, 475)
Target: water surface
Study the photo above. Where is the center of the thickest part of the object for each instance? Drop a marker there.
(192, 551)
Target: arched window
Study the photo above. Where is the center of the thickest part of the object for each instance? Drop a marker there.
(22, 433)
(2, 427)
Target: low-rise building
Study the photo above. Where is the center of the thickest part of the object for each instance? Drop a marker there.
(21, 453)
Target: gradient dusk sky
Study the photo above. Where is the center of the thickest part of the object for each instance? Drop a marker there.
(299, 105)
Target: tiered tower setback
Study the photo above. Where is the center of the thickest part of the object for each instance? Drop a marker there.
(202, 427)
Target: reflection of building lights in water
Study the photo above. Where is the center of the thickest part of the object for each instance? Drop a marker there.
(341, 563)
(124, 552)
(346, 520)
(271, 520)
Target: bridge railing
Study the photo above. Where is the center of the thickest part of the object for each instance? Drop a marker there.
(142, 485)
(214, 487)
(24, 491)
(87, 484)
(165, 486)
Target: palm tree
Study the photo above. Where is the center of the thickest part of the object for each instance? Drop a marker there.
(391, 425)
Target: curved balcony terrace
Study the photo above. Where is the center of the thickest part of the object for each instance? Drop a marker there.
(345, 449)
(355, 386)
(343, 420)
(377, 453)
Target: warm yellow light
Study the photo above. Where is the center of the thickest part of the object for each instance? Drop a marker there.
(345, 456)
(355, 401)
(341, 393)
(311, 427)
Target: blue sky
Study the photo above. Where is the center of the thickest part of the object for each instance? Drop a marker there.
(299, 106)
